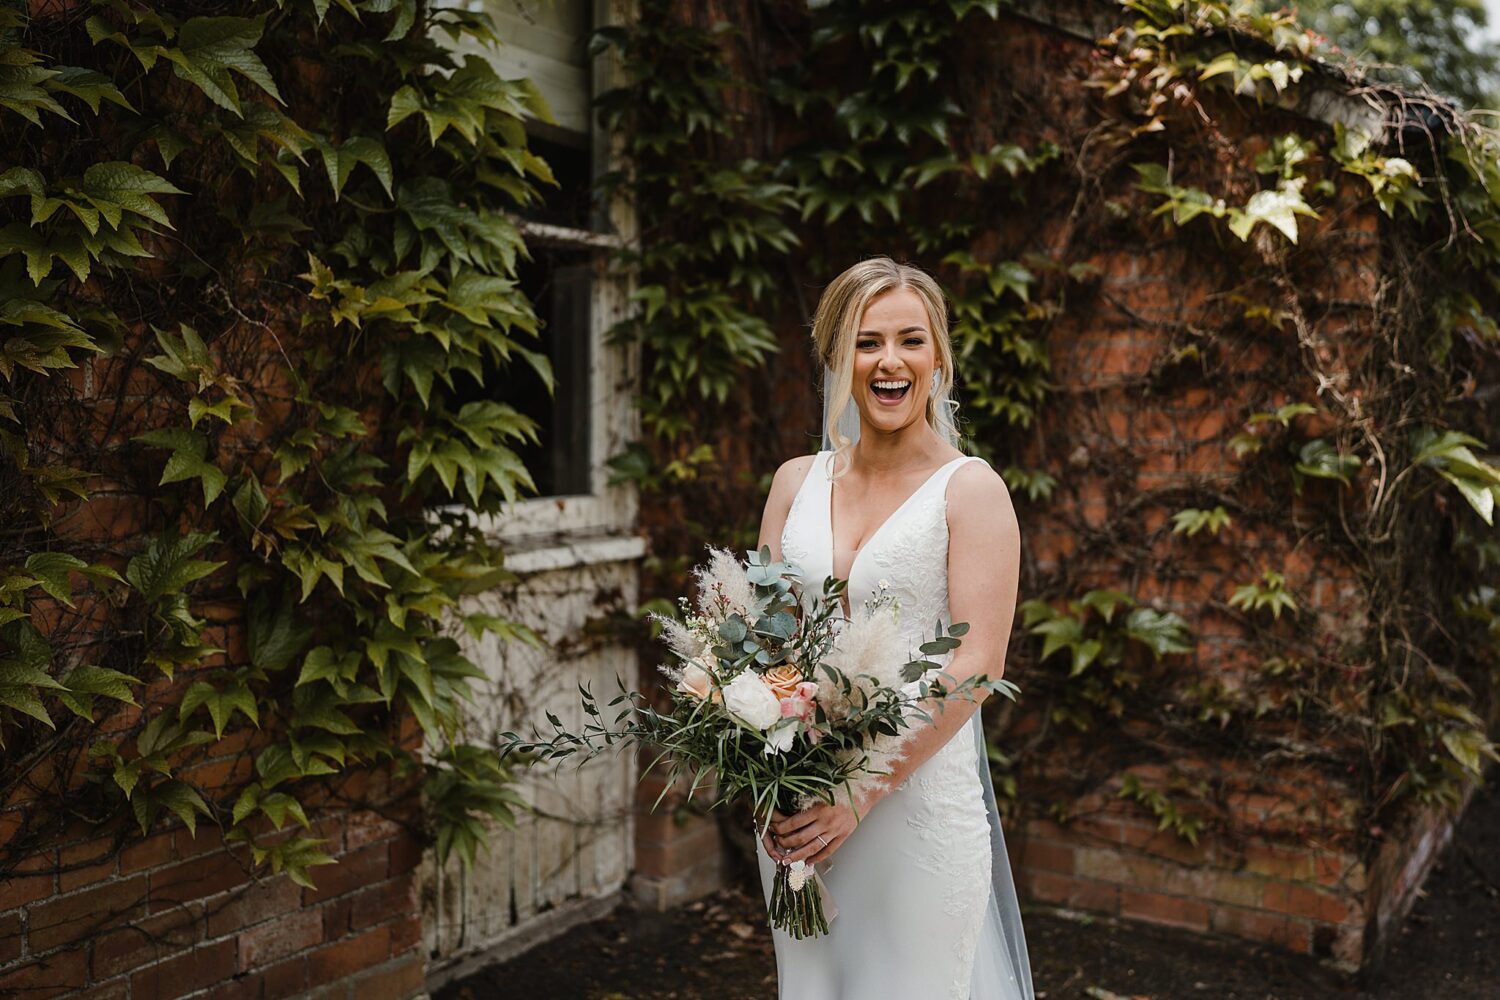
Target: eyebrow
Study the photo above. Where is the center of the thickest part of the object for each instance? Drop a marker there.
(876, 333)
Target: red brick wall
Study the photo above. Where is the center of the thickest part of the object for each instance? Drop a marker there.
(97, 909)
(1134, 432)
(171, 915)
(1134, 436)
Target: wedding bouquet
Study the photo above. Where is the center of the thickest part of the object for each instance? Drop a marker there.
(789, 701)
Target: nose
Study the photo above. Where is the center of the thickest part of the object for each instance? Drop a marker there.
(888, 360)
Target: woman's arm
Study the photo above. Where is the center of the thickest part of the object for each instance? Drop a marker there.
(984, 564)
(784, 487)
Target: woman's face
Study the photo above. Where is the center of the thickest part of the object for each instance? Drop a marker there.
(894, 357)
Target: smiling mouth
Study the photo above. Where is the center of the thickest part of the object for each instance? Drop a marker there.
(891, 390)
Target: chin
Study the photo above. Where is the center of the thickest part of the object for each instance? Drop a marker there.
(890, 423)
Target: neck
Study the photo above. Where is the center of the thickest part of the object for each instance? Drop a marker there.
(878, 452)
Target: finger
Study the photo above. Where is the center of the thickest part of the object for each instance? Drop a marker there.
(806, 851)
(794, 823)
(807, 835)
(773, 850)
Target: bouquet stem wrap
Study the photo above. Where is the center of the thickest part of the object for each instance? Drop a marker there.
(801, 904)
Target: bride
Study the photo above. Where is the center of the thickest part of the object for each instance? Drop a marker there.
(922, 885)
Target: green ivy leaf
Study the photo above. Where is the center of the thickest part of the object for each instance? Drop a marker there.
(51, 570)
(210, 49)
(167, 565)
(188, 460)
(117, 187)
(276, 634)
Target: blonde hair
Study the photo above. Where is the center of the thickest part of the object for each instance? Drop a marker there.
(836, 328)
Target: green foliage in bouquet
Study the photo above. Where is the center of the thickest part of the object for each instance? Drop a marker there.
(781, 697)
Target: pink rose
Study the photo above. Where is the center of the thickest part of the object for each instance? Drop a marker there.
(801, 702)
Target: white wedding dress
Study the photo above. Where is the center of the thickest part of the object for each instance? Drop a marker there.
(926, 905)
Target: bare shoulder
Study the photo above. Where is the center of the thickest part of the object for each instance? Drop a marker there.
(979, 500)
(784, 487)
(789, 477)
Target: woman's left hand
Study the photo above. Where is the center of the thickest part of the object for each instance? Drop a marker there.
(813, 834)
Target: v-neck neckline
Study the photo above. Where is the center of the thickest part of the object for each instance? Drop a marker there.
(828, 513)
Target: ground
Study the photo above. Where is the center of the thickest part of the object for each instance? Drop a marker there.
(719, 949)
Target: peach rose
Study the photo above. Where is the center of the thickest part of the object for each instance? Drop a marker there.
(695, 681)
(783, 680)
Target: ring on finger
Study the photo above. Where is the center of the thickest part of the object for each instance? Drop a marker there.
(822, 841)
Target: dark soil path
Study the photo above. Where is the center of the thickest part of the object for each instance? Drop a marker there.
(719, 949)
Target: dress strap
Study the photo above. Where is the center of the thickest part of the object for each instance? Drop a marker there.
(940, 478)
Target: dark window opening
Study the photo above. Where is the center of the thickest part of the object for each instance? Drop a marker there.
(571, 202)
(559, 284)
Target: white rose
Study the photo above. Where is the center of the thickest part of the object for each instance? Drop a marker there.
(749, 700)
(779, 740)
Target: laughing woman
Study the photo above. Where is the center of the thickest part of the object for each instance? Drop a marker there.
(927, 907)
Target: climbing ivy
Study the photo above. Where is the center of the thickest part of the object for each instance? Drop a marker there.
(882, 127)
(259, 302)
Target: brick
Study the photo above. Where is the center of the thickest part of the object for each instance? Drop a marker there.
(662, 858)
(1165, 844)
(349, 956)
(192, 844)
(405, 854)
(367, 827)
(1061, 890)
(1048, 856)
(196, 879)
(152, 852)
(365, 866)
(49, 977)
(115, 989)
(285, 978)
(1118, 866)
(149, 939)
(86, 863)
(278, 939)
(1258, 925)
(1158, 908)
(406, 933)
(1280, 862)
(394, 898)
(24, 886)
(198, 969)
(1301, 901)
(400, 979)
(252, 904)
(70, 918)
(218, 776)
(336, 917)
(10, 937)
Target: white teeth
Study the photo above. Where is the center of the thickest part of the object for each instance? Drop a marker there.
(893, 383)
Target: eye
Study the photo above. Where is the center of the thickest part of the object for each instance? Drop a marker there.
(915, 341)
(865, 343)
